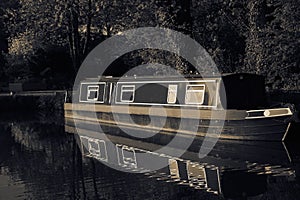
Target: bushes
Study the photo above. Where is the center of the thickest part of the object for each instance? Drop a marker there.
(49, 39)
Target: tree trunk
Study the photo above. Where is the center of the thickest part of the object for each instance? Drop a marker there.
(74, 38)
(88, 29)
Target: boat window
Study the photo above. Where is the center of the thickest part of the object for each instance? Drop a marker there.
(172, 94)
(194, 94)
(110, 92)
(127, 93)
(93, 93)
(173, 167)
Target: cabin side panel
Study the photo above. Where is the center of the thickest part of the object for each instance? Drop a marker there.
(200, 93)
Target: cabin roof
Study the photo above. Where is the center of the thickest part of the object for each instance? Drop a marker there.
(189, 76)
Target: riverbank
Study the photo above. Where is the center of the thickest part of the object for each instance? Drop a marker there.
(52, 100)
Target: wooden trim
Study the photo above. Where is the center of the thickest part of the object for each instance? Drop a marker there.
(171, 112)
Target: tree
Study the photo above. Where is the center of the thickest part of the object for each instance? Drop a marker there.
(259, 36)
(221, 26)
(273, 42)
(3, 39)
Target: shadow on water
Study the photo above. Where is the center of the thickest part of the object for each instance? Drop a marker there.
(39, 160)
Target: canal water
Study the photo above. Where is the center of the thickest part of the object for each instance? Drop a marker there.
(40, 160)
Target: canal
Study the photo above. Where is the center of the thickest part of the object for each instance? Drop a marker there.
(40, 160)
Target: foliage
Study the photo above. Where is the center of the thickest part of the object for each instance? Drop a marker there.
(257, 36)
(273, 42)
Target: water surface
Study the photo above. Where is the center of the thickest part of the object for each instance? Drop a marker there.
(40, 160)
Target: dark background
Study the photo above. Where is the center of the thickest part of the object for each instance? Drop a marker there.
(45, 41)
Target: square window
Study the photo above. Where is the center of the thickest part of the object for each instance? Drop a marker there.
(195, 94)
(94, 148)
(92, 93)
(127, 93)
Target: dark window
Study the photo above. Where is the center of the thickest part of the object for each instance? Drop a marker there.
(127, 93)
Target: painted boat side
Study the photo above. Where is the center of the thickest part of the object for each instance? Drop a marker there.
(235, 127)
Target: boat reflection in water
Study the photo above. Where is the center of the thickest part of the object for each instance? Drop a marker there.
(231, 170)
(40, 160)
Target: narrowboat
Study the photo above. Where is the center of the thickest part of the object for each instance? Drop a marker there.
(234, 106)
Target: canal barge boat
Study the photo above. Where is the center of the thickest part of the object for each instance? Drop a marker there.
(236, 104)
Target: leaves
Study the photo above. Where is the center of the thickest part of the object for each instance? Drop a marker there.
(259, 36)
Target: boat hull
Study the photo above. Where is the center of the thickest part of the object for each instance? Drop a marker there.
(230, 124)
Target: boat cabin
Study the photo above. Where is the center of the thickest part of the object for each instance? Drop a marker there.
(242, 91)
